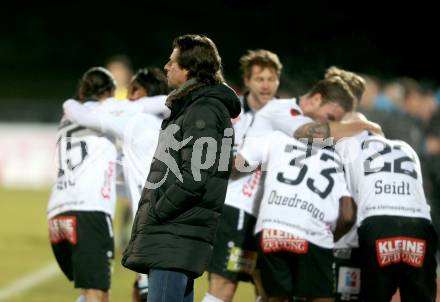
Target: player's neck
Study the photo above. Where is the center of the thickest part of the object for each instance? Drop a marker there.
(253, 103)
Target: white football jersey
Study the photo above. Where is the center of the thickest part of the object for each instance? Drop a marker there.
(284, 115)
(278, 114)
(384, 177)
(302, 188)
(139, 137)
(241, 126)
(136, 132)
(86, 172)
(241, 192)
(150, 104)
(349, 240)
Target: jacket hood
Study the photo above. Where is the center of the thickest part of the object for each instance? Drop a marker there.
(224, 94)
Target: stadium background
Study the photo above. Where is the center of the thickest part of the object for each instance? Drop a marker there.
(45, 47)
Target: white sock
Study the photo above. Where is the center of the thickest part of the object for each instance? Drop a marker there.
(210, 298)
(142, 284)
(259, 299)
(81, 298)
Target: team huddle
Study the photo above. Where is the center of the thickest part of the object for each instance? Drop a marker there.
(307, 199)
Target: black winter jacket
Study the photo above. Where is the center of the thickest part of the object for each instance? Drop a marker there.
(175, 224)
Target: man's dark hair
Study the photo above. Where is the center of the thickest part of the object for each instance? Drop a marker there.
(96, 83)
(153, 80)
(335, 89)
(199, 55)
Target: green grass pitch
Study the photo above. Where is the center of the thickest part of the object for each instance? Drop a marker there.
(24, 248)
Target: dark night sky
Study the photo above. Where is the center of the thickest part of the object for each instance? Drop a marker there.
(44, 48)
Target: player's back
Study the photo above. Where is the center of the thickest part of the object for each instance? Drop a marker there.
(302, 189)
(138, 134)
(86, 171)
(384, 177)
(135, 133)
(138, 145)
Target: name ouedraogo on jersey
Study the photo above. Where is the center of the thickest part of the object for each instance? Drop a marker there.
(302, 189)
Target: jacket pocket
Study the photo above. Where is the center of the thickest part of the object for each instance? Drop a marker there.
(196, 216)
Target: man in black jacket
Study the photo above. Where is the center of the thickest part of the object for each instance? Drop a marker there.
(181, 203)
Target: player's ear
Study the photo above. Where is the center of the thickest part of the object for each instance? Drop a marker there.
(316, 100)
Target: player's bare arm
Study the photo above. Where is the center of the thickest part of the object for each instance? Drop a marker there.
(346, 217)
(313, 130)
(335, 130)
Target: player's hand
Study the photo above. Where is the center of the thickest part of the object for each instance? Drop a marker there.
(373, 128)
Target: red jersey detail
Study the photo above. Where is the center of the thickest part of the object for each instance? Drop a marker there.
(107, 187)
(294, 112)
